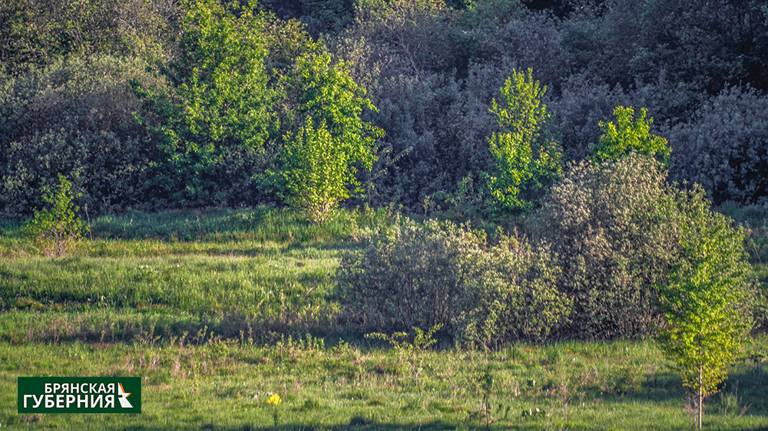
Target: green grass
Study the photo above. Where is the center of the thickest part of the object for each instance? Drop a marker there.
(227, 270)
(616, 385)
(200, 305)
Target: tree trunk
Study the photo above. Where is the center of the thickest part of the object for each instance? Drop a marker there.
(700, 400)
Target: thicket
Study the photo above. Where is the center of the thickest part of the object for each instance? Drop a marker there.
(604, 222)
(481, 293)
(219, 94)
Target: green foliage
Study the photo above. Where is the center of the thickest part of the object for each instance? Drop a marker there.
(58, 228)
(513, 295)
(630, 135)
(74, 117)
(707, 300)
(421, 341)
(316, 170)
(410, 348)
(321, 159)
(213, 127)
(415, 275)
(526, 158)
(604, 224)
(39, 32)
(324, 90)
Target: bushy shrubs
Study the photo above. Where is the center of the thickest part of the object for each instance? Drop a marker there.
(629, 135)
(515, 296)
(58, 228)
(608, 238)
(724, 146)
(604, 223)
(526, 158)
(74, 117)
(421, 275)
(329, 141)
(211, 126)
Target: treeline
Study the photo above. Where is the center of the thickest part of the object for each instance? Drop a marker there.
(156, 104)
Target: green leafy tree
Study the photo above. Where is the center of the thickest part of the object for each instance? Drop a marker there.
(332, 142)
(214, 125)
(57, 228)
(526, 158)
(629, 135)
(706, 301)
(316, 170)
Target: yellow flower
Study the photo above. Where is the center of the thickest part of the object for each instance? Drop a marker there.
(274, 400)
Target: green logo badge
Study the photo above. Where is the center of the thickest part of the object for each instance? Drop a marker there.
(79, 394)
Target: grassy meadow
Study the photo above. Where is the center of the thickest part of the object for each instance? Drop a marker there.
(215, 309)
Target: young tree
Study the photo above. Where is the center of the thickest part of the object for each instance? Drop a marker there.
(316, 170)
(628, 135)
(57, 228)
(526, 158)
(213, 126)
(705, 302)
(330, 141)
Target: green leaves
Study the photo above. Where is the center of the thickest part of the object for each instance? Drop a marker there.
(57, 228)
(705, 302)
(526, 159)
(315, 170)
(215, 123)
(630, 135)
(321, 158)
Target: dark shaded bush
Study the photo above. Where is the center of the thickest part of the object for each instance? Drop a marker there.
(74, 117)
(724, 147)
(212, 124)
(39, 32)
(605, 223)
(418, 275)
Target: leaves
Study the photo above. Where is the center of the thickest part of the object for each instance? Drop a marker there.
(629, 135)
(57, 229)
(705, 302)
(322, 157)
(215, 123)
(525, 158)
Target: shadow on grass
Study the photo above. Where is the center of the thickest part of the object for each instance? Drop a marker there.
(177, 225)
(261, 223)
(746, 388)
(359, 424)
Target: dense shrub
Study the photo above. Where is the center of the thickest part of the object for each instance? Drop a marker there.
(603, 221)
(515, 296)
(629, 135)
(577, 112)
(39, 32)
(418, 275)
(74, 117)
(328, 142)
(724, 146)
(212, 124)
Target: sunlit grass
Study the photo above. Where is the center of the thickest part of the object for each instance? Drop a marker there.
(615, 385)
(201, 304)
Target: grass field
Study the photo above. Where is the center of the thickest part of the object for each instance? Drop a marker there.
(202, 304)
